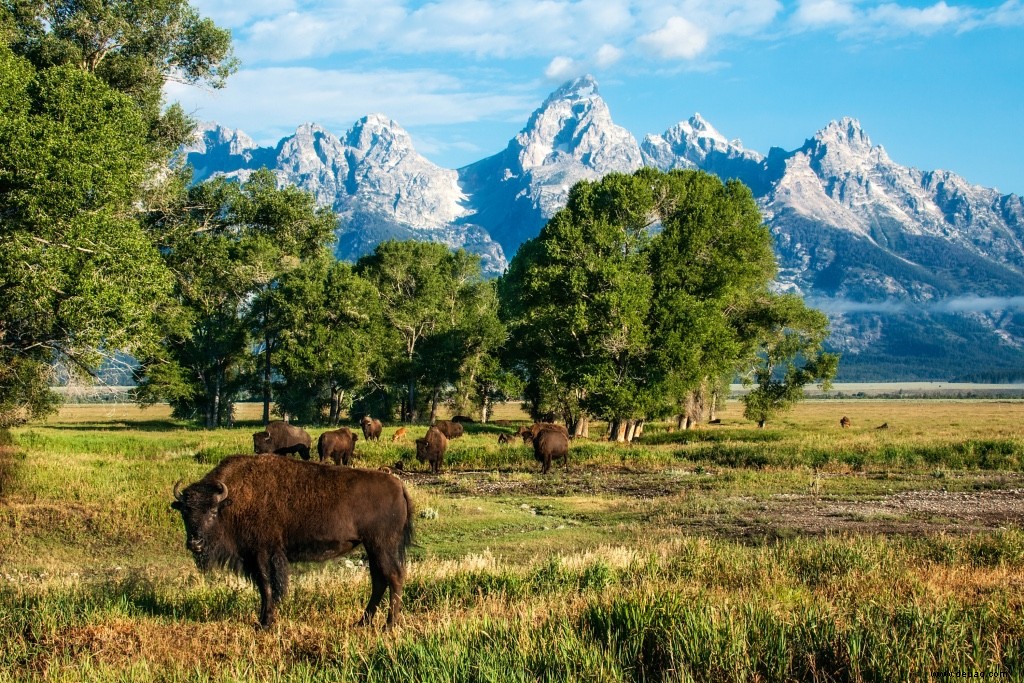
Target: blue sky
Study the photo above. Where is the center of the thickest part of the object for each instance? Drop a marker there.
(940, 85)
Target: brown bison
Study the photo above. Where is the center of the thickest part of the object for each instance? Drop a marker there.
(451, 430)
(465, 419)
(844, 422)
(529, 433)
(281, 438)
(506, 438)
(371, 428)
(338, 445)
(431, 448)
(255, 515)
(550, 444)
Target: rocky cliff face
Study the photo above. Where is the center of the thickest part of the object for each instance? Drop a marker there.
(909, 264)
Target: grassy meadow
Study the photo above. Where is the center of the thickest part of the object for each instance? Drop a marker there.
(799, 552)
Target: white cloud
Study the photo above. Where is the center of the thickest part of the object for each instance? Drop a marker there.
(561, 68)
(607, 55)
(911, 19)
(824, 12)
(268, 103)
(677, 39)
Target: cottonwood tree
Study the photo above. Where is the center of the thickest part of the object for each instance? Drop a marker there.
(438, 306)
(81, 140)
(577, 298)
(333, 341)
(226, 244)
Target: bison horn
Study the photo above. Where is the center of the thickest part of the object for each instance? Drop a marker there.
(222, 489)
(177, 492)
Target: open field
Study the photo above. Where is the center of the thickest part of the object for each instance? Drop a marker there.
(799, 552)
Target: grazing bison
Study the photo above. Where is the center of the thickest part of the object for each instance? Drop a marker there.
(431, 448)
(884, 425)
(506, 438)
(338, 445)
(529, 433)
(451, 430)
(281, 438)
(371, 428)
(844, 422)
(550, 444)
(465, 419)
(399, 435)
(255, 515)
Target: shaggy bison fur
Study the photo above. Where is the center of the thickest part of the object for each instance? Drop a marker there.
(371, 428)
(256, 514)
(548, 445)
(431, 448)
(338, 445)
(451, 430)
(281, 438)
(529, 433)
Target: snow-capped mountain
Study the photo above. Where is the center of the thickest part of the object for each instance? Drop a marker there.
(373, 178)
(883, 248)
(570, 138)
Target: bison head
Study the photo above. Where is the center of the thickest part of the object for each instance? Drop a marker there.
(422, 450)
(262, 443)
(200, 506)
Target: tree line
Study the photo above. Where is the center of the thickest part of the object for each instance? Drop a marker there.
(641, 299)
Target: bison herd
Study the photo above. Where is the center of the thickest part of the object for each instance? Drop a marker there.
(257, 515)
(550, 441)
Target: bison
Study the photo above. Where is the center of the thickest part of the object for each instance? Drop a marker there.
(399, 435)
(505, 438)
(844, 422)
(550, 444)
(465, 419)
(431, 448)
(338, 445)
(281, 438)
(451, 430)
(256, 514)
(529, 433)
(371, 428)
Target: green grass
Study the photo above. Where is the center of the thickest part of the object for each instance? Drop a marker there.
(799, 552)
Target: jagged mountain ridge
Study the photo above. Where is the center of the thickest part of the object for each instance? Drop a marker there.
(850, 225)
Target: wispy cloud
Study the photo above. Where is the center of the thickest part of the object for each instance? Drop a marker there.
(300, 94)
(963, 304)
(887, 20)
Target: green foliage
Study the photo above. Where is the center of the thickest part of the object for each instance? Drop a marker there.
(442, 313)
(228, 245)
(609, 319)
(77, 271)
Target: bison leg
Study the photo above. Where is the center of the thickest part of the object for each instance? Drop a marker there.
(547, 464)
(259, 570)
(279, 570)
(378, 585)
(304, 452)
(386, 572)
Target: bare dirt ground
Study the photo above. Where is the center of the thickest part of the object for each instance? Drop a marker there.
(980, 502)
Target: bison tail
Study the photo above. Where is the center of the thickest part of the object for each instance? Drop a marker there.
(407, 531)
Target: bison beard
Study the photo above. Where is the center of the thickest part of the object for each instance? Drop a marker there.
(255, 514)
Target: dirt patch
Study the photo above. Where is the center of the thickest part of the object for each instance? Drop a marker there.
(908, 512)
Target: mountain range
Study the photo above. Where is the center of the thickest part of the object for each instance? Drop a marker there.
(921, 272)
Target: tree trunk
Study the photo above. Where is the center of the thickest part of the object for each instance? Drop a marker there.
(485, 409)
(214, 420)
(332, 415)
(266, 381)
(585, 434)
(630, 430)
(433, 405)
(639, 431)
(620, 431)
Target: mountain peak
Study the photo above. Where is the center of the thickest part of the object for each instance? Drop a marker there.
(846, 131)
(582, 88)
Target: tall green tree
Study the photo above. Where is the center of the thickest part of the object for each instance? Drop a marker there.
(440, 309)
(577, 299)
(333, 341)
(81, 141)
(711, 260)
(787, 345)
(227, 245)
